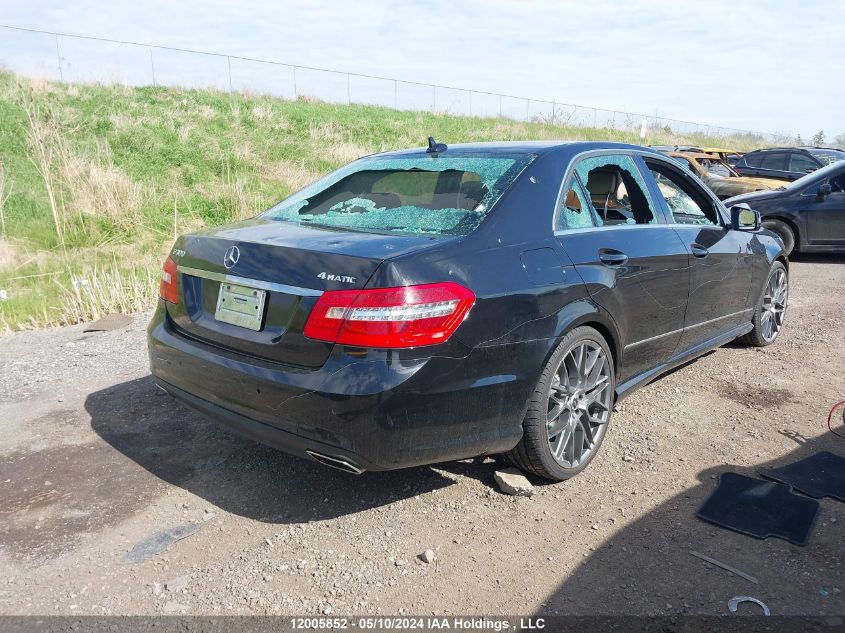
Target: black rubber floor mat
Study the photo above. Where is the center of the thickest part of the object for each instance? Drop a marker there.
(820, 475)
(760, 509)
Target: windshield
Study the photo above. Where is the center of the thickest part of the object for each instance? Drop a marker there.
(718, 168)
(828, 156)
(435, 195)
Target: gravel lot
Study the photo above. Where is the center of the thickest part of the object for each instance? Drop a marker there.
(94, 459)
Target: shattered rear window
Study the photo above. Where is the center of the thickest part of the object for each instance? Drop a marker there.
(436, 195)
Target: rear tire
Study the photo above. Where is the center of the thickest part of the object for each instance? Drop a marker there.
(770, 311)
(787, 235)
(569, 410)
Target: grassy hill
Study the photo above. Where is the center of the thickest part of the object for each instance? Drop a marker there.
(95, 180)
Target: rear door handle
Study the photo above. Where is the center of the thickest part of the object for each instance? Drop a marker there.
(699, 251)
(612, 257)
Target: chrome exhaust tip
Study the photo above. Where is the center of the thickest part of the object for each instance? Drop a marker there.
(338, 463)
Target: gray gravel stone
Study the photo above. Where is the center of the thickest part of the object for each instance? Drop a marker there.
(513, 482)
(176, 584)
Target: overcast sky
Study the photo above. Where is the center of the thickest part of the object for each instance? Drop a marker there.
(766, 66)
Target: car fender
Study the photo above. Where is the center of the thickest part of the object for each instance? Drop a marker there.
(586, 312)
(768, 245)
(793, 221)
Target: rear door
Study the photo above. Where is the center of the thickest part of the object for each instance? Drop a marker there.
(774, 165)
(720, 258)
(633, 263)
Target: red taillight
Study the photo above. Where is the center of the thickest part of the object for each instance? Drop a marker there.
(169, 287)
(410, 316)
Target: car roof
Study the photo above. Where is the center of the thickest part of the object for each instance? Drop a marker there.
(780, 149)
(521, 147)
(825, 149)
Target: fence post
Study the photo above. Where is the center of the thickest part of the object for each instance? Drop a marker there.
(434, 99)
(595, 117)
(528, 109)
(470, 102)
(554, 111)
(152, 66)
(295, 93)
(59, 59)
(500, 106)
(348, 91)
(395, 93)
(229, 64)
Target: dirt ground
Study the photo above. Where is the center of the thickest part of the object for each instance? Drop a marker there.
(94, 459)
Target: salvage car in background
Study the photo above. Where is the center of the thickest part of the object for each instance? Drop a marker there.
(429, 305)
(786, 163)
(808, 214)
(716, 174)
(728, 156)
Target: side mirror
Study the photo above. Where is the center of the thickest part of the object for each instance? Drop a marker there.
(744, 218)
(824, 191)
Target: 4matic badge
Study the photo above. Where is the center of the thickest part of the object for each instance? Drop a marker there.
(331, 277)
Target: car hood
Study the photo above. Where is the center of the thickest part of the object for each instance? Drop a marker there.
(754, 196)
(770, 183)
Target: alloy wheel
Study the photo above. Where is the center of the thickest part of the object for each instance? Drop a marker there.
(579, 403)
(774, 305)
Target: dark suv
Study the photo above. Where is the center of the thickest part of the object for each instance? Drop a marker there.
(786, 163)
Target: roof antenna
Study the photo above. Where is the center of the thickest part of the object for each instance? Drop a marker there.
(434, 147)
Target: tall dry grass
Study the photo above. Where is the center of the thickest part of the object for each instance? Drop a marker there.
(5, 192)
(108, 290)
(44, 139)
(97, 188)
(10, 254)
(78, 186)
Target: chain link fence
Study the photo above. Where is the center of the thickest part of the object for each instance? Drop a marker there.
(76, 58)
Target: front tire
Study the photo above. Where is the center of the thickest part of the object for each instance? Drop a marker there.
(785, 233)
(770, 311)
(570, 408)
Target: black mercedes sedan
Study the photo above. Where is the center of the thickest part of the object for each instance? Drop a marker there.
(808, 214)
(441, 303)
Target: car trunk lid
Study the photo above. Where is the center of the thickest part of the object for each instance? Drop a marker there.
(248, 288)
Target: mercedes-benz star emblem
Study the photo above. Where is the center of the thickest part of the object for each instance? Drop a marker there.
(231, 257)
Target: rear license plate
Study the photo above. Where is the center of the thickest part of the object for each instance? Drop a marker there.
(240, 305)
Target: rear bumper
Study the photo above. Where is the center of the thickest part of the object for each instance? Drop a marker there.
(264, 433)
(374, 409)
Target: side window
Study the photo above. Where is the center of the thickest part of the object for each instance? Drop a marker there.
(751, 160)
(616, 190)
(801, 163)
(774, 160)
(686, 205)
(575, 211)
(837, 183)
